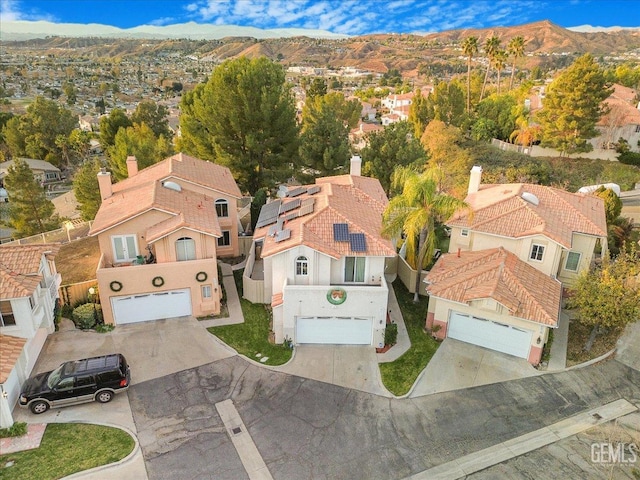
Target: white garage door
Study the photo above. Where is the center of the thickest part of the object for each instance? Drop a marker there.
(151, 306)
(485, 333)
(334, 330)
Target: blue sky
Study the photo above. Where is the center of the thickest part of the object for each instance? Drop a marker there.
(351, 17)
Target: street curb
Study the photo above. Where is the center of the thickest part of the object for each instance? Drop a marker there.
(127, 459)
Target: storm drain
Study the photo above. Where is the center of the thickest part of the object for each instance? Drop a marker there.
(236, 430)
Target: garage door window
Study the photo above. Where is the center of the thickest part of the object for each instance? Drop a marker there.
(124, 248)
(185, 249)
(354, 269)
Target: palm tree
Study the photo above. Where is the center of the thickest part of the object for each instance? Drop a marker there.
(516, 50)
(491, 46)
(416, 211)
(470, 48)
(499, 62)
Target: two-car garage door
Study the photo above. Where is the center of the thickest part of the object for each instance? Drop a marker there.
(151, 306)
(486, 333)
(334, 330)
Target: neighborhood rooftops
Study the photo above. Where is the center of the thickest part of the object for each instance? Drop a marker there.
(500, 275)
(518, 210)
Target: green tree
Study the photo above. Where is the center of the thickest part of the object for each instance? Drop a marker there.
(85, 187)
(70, 91)
(34, 134)
(347, 111)
(387, 149)
(317, 88)
(491, 46)
(244, 118)
(469, 48)
(515, 48)
(139, 141)
(612, 203)
(499, 62)
(110, 125)
(324, 141)
(572, 107)
(420, 113)
(30, 211)
(416, 212)
(154, 116)
(447, 103)
(608, 297)
(503, 111)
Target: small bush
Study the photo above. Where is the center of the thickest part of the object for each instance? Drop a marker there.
(391, 334)
(86, 316)
(630, 158)
(16, 430)
(104, 327)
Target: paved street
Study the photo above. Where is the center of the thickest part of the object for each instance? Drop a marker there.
(309, 429)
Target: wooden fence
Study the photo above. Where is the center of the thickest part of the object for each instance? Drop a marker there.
(76, 293)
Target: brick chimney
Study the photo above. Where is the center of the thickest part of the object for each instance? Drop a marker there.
(356, 166)
(104, 183)
(132, 166)
(474, 179)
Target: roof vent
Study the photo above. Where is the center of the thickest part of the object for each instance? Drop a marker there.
(531, 198)
(172, 186)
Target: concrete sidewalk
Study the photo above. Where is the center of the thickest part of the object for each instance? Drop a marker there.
(403, 342)
(558, 354)
(233, 300)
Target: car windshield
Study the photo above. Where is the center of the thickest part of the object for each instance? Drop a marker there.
(54, 377)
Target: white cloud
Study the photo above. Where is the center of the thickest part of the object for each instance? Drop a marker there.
(12, 10)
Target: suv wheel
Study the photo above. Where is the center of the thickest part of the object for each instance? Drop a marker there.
(39, 407)
(104, 397)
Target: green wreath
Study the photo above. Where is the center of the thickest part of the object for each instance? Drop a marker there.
(157, 281)
(115, 286)
(201, 276)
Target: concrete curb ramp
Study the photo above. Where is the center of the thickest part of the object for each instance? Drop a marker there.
(474, 462)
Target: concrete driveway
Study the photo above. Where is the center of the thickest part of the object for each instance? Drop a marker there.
(459, 364)
(153, 349)
(349, 366)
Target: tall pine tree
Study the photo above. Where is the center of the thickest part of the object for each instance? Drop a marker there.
(30, 211)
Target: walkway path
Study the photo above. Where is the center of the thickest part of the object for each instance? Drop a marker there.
(558, 354)
(233, 301)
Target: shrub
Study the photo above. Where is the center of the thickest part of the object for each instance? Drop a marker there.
(104, 327)
(87, 315)
(391, 334)
(629, 158)
(16, 430)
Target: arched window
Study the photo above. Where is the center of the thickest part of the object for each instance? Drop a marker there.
(185, 249)
(302, 266)
(222, 207)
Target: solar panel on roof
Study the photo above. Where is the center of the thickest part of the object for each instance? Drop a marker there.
(283, 235)
(313, 190)
(285, 207)
(296, 191)
(272, 230)
(307, 201)
(268, 214)
(358, 242)
(305, 210)
(341, 232)
(292, 215)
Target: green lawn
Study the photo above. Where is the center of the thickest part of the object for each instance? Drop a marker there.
(68, 448)
(398, 376)
(252, 336)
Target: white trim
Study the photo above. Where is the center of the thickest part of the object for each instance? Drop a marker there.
(566, 260)
(536, 259)
(150, 242)
(129, 258)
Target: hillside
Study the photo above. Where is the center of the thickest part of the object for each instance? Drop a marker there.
(372, 52)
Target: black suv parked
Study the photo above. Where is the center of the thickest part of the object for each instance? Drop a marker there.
(78, 381)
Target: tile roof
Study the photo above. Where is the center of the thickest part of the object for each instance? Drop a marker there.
(501, 210)
(145, 191)
(354, 200)
(11, 348)
(19, 266)
(498, 274)
(623, 110)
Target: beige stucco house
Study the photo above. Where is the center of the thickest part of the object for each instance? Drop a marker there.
(318, 259)
(29, 285)
(500, 285)
(160, 233)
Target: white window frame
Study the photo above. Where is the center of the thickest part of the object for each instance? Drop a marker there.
(464, 232)
(537, 250)
(128, 256)
(302, 266)
(225, 239)
(185, 249)
(566, 263)
(207, 292)
(358, 261)
(222, 208)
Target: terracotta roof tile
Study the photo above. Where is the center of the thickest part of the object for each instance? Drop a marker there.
(356, 201)
(11, 348)
(498, 274)
(19, 266)
(501, 210)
